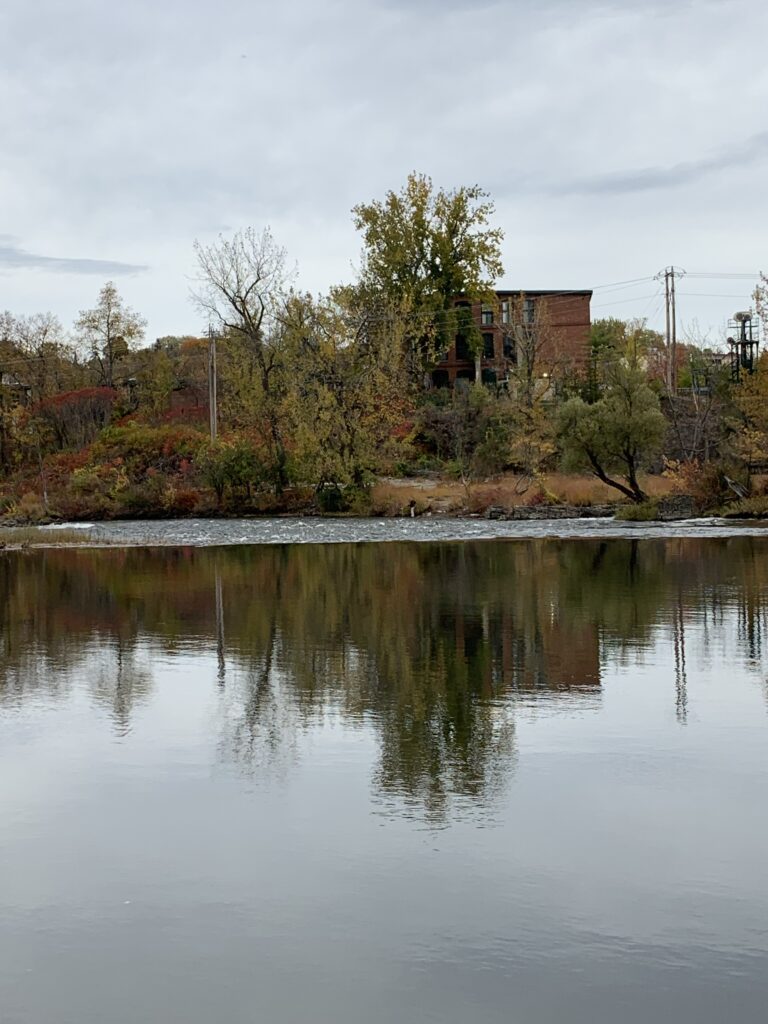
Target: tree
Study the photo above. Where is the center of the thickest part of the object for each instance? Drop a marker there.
(36, 363)
(243, 287)
(612, 339)
(532, 441)
(72, 419)
(346, 391)
(751, 400)
(422, 248)
(109, 330)
(617, 434)
(760, 296)
(539, 361)
(701, 411)
(229, 463)
(39, 353)
(470, 428)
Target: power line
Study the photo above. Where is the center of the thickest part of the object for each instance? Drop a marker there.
(618, 302)
(725, 276)
(716, 295)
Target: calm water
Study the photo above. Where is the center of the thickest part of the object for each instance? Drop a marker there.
(498, 781)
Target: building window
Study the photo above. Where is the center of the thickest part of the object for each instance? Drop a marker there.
(529, 311)
(488, 350)
(462, 349)
(510, 351)
(486, 316)
(505, 311)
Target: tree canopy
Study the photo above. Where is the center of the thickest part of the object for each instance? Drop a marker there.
(422, 247)
(109, 331)
(619, 433)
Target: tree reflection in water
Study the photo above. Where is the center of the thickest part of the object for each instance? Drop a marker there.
(431, 645)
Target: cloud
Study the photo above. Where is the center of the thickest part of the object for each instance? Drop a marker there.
(603, 129)
(753, 150)
(12, 257)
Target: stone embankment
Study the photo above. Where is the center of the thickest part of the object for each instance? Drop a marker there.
(529, 512)
(669, 509)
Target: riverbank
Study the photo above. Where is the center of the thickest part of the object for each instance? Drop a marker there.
(551, 495)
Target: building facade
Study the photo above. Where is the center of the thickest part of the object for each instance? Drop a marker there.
(545, 331)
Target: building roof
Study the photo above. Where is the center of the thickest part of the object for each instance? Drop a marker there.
(544, 291)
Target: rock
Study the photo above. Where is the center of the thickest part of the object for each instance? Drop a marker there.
(676, 506)
(543, 512)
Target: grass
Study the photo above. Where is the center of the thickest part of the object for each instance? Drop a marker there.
(40, 536)
(750, 508)
(392, 496)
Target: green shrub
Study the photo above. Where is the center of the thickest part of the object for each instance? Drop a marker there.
(231, 464)
(140, 447)
(144, 499)
(748, 508)
(330, 498)
(645, 512)
(358, 501)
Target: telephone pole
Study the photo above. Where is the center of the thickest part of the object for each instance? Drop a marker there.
(212, 397)
(670, 320)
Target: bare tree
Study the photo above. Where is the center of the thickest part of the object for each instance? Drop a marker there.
(242, 287)
(539, 359)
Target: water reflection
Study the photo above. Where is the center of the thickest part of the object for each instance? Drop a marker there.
(433, 647)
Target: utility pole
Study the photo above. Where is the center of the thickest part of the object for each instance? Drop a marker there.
(212, 397)
(670, 320)
(667, 331)
(673, 336)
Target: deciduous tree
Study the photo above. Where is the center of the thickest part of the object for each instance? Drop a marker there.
(423, 247)
(109, 331)
(243, 286)
(347, 394)
(618, 434)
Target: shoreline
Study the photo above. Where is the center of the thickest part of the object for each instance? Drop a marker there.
(672, 508)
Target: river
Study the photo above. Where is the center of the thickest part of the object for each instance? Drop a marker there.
(514, 779)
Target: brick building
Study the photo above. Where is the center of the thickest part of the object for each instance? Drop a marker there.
(549, 328)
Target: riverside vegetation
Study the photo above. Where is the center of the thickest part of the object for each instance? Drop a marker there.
(322, 400)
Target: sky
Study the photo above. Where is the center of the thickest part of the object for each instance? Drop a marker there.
(616, 137)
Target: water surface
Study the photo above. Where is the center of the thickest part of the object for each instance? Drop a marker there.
(330, 530)
(509, 780)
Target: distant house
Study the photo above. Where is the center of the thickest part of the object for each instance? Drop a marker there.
(547, 328)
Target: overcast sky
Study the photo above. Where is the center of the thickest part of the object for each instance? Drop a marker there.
(616, 137)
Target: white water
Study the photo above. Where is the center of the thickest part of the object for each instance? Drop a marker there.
(214, 532)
